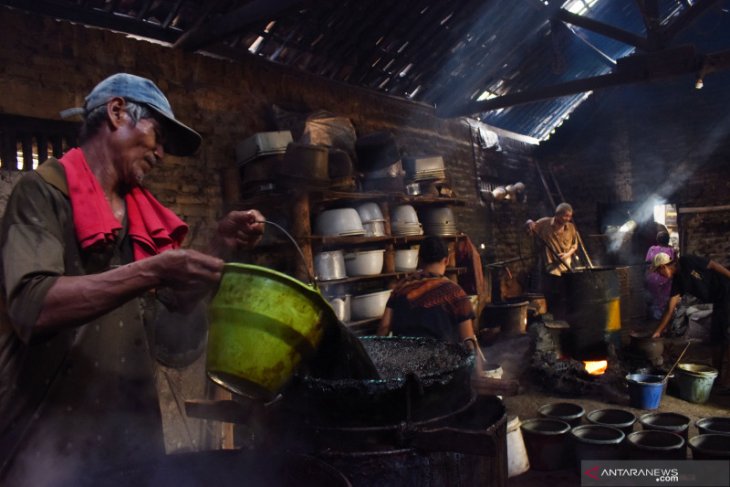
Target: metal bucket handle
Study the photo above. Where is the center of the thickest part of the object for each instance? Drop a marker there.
(311, 277)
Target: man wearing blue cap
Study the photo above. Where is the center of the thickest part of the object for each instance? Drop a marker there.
(90, 264)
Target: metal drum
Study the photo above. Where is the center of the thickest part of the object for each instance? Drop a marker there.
(593, 302)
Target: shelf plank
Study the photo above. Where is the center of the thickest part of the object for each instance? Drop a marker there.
(331, 197)
(385, 275)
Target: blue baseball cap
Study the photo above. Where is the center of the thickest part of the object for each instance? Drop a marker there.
(181, 139)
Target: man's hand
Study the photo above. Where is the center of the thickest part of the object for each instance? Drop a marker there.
(187, 270)
(240, 228)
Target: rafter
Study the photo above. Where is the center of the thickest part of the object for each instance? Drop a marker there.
(95, 17)
(650, 14)
(633, 69)
(207, 33)
(604, 29)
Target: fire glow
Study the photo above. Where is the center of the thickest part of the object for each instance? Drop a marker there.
(597, 367)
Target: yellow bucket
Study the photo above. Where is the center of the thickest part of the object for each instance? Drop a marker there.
(263, 323)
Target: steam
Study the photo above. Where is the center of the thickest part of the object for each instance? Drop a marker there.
(699, 152)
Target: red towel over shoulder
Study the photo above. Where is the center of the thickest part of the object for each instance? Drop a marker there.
(152, 227)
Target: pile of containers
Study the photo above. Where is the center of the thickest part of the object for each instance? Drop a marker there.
(558, 439)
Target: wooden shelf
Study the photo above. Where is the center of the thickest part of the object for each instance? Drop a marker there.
(295, 207)
(327, 197)
(359, 240)
(385, 275)
(428, 200)
(326, 240)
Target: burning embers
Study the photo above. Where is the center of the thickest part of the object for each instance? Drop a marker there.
(596, 367)
(555, 369)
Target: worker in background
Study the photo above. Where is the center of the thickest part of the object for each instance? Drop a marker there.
(557, 240)
(556, 243)
(88, 260)
(657, 285)
(428, 304)
(709, 282)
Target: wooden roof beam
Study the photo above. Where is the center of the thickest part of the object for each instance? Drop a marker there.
(207, 33)
(649, 14)
(633, 69)
(604, 29)
(95, 17)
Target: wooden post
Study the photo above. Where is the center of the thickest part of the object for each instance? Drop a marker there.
(301, 229)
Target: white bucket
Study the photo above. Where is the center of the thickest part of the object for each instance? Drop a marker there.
(517, 460)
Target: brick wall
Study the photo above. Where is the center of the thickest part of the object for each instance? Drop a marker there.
(654, 140)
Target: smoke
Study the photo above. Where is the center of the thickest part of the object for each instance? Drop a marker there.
(45, 465)
(681, 170)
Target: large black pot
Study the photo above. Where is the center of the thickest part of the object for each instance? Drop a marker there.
(465, 449)
(421, 379)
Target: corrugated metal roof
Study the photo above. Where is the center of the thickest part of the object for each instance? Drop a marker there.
(450, 54)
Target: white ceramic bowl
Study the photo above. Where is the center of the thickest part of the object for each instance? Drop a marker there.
(369, 212)
(337, 222)
(368, 306)
(330, 265)
(406, 260)
(403, 214)
(364, 262)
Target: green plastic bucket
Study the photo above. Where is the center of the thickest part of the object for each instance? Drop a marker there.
(694, 382)
(263, 323)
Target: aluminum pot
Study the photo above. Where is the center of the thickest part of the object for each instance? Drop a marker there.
(442, 215)
(406, 260)
(369, 306)
(369, 211)
(404, 214)
(374, 228)
(536, 302)
(364, 262)
(341, 305)
(330, 265)
(339, 222)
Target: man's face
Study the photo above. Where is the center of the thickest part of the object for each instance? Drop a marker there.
(139, 149)
(564, 217)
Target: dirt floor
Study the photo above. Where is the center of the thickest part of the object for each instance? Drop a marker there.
(514, 355)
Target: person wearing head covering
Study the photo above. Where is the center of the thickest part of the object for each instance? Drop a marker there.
(89, 262)
(709, 282)
(428, 304)
(657, 285)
